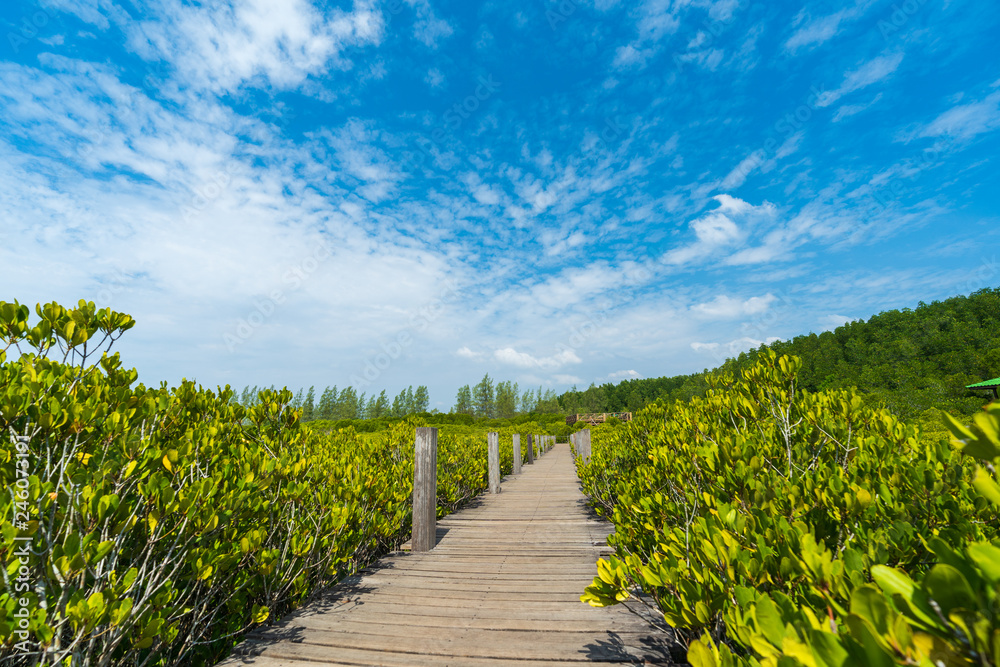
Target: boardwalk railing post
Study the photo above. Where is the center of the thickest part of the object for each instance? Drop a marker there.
(585, 445)
(493, 456)
(425, 490)
(531, 450)
(517, 453)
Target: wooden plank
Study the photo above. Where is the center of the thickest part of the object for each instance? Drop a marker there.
(501, 586)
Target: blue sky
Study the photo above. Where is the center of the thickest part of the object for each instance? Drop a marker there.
(422, 191)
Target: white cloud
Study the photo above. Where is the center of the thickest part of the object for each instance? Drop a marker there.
(618, 376)
(434, 78)
(869, 73)
(512, 357)
(279, 43)
(848, 110)
(758, 160)
(967, 120)
(467, 353)
(722, 306)
(817, 31)
(428, 28)
(629, 56)
(739, 174)
(657, 20)
(717, 231)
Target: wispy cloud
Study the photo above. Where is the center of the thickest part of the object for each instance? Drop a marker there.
(722, 306)
(815, 31)
(964, 121)
(512, 357)
(221, 47)
(867, 74)
(428, 28)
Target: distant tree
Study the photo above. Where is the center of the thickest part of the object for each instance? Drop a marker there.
(528, 402)
(463, 401)
(346, 404)
(594, 399)
(549, 402)
(634, 401)
(399, 407)
(421, 399)
(380, 407)
(506, 399)
(483, 398)
(409, 406)
(327, 402)
(309, 404)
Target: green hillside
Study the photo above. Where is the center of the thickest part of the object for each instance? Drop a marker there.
(911, 360)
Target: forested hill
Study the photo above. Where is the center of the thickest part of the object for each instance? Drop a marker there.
(912, 359)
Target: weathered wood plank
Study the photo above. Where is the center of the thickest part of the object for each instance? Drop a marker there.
(501, 586)
(425, 490)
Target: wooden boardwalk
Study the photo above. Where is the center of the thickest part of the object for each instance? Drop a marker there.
(502, 586)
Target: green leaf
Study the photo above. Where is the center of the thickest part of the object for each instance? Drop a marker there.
(769, 621)
(120, 611)
(893, 581)
(702, 612)
(986, 486)
(103, 549)
(987, 557)
(911, 600)
(827, 650)
(946, 586)
(869, 603)
(700, 655)
(875, 652)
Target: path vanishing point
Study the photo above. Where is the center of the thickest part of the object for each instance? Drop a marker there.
(502, 586)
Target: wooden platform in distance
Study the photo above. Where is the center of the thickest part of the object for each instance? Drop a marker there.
(502, 586)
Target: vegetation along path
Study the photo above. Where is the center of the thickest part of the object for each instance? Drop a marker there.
(502, 585)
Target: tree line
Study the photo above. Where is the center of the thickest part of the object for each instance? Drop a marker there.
(347, 403)
(503, 400)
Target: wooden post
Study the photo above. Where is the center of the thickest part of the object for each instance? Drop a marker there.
(425, 490)
(531, 450)
(585, 445)
(493, 456)
(517, 453)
